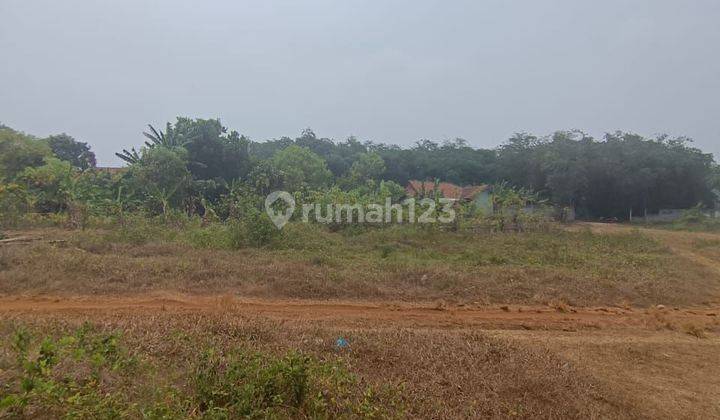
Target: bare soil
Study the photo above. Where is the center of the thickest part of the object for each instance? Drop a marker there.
(456, 358)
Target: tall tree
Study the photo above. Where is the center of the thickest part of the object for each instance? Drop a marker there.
(66, 148)
(162, 175)
(301, 168)
(19, 151)
(213, 153)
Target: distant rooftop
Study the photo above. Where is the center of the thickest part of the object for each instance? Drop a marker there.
(447, 189)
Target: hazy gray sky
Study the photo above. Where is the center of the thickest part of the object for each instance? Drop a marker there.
(391, 71)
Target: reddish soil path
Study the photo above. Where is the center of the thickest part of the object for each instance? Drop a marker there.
(369, 314)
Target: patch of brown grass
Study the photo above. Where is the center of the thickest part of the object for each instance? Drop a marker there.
(423, 267)
(695, 330)
(441, 374)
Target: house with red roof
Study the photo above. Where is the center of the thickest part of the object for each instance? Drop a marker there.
(479, 195)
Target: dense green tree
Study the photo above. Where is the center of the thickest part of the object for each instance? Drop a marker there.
(68, 149)
(301, 168)
(51, 184)
(339, 156)
(213, 153)
(624, 174)
(196, 163)
(162, 175)
(452, 161)
(19, 151)
(169, 138)
(368, 166)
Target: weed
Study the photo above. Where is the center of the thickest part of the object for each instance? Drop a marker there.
(89, 374)
(46, 373)
(386, 250)
(253, 385)
(695, 331)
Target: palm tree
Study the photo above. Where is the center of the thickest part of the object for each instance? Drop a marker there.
(168, 139)
(130, 156)
(157, 138)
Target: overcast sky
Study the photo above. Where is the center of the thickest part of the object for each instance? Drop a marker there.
(390, 71)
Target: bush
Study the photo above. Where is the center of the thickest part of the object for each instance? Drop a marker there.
(252, 385)
(14, 202)
(214, 236)
(64, 376)
(696, 219)
(259, 229)
(308, 236)
(91, 374)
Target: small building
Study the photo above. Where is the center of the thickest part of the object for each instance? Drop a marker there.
(479, 195)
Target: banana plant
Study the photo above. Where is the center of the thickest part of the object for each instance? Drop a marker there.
(130, 156)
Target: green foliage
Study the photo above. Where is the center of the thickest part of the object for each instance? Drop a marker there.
(66, 148)
(300, 168)
(259, 229)
(19, 151)
(213, 153)
(367, 167)
(131, 156)
(252, 385)
(14, 202)
(51, 184)
(695, 219)
(452, 161)
(170, 138)
(611, 177)
(162, 176)
(197, 167)
(46, 374)
(87, 373)
(58, 186)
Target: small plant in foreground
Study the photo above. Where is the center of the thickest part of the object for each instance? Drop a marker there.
(89, 374)
(254, 385)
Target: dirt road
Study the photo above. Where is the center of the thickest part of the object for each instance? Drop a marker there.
(661, 362)
(358, 314)
(436, 315)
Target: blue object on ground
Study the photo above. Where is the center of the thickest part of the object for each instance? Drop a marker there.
(342, 343)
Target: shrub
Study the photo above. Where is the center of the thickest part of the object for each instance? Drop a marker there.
(90, 374)
(14, 202)
(308, 236)
(259, 229)
(214, 236)
(64, 376)
(253, 385)
(696, 219)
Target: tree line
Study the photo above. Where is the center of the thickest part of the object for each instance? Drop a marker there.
(198, 165)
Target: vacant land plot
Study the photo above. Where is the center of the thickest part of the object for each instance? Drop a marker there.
(402, 264)
(599, 322)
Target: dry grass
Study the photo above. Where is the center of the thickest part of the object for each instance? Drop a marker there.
(577, 268)
(434, 373)
(649, 363)
(660, 374)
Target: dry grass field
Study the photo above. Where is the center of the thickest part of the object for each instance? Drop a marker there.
(599, 321)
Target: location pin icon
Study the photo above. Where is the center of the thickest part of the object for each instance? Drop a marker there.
(280, 218)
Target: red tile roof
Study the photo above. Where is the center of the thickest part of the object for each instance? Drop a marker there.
(446, 189)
